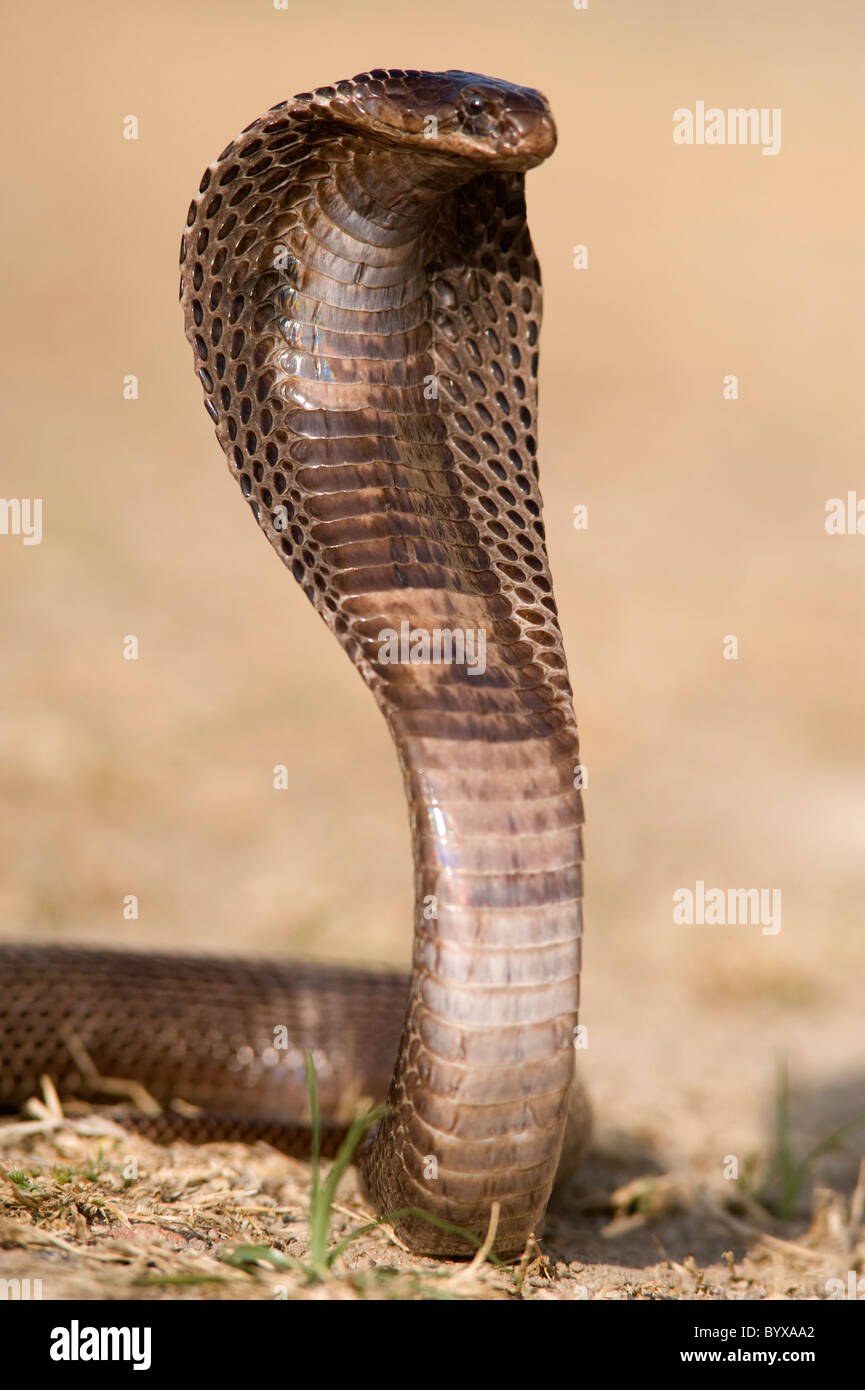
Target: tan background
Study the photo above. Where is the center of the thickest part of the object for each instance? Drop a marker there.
(706, 518)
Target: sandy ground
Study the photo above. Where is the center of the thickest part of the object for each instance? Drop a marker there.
(706, 518)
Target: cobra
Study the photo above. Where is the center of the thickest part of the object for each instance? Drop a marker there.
(363, 302)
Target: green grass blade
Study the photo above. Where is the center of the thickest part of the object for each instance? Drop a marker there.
(323, 1193)
(345, 1152)
(322, 1259)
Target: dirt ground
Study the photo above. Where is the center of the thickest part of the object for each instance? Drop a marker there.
(710, 1177)
(91, 1212)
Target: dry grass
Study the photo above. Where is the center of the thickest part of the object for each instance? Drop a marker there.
(95, 1212)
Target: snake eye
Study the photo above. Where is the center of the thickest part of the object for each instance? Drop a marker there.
(475, 105)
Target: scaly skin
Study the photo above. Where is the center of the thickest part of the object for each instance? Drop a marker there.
(363, 301)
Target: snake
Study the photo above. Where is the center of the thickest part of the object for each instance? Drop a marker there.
(363, 303)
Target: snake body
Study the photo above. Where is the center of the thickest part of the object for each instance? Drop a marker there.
(363, 302)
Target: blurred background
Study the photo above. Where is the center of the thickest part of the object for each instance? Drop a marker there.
(706, 518)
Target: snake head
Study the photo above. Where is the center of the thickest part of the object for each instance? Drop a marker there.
(461, 115)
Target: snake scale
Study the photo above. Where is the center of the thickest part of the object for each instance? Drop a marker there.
(363, 303)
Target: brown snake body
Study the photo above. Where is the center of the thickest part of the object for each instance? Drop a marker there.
(363, 302)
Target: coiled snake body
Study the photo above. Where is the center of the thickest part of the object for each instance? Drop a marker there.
(363, 302)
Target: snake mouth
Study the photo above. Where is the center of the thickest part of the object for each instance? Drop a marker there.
(511, 150)
(516, 144)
